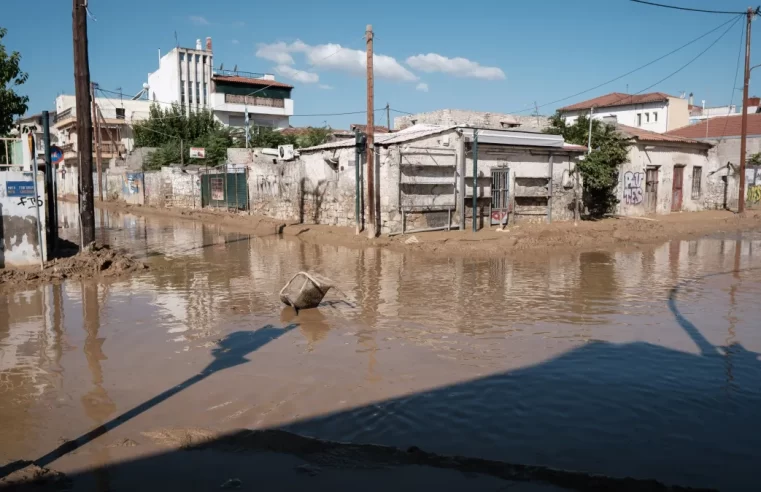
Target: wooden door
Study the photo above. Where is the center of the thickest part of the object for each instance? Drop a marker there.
(651, 190)
(676, 190)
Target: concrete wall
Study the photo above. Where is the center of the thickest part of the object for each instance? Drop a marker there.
(20, 241)
(480, 119)
(632, 187)
(678, 113)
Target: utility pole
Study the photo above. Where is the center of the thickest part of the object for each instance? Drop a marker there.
(744, 130)
(84, 124)
(98, 141)
(370, 134)
(388, 117)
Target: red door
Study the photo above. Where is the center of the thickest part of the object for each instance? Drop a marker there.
(676, 190)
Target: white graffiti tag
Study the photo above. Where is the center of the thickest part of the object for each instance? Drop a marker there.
(633, 188)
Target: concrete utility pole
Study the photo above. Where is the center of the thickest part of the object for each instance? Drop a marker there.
(98, 141)
(84, 123)
(744, 130)
(370, 134)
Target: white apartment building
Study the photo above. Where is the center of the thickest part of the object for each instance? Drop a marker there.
(655, 111)
(187, 77)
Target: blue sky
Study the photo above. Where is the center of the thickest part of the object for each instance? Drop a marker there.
(515, 52)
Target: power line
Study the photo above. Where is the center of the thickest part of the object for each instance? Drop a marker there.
(675, 7)
(734, 84)
(631, 71)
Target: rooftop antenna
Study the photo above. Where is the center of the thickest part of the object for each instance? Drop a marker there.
(235, 69)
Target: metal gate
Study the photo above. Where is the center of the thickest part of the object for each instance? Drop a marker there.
(225, 188)
(651, 190)
(500, 195)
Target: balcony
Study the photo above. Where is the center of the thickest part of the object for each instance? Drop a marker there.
(107, 150)
(65, 117)
(238, 104)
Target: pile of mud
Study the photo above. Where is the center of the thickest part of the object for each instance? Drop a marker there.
(99, 261)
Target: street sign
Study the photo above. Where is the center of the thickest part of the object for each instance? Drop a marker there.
(197, 153)
(56, 154)
(19, 188)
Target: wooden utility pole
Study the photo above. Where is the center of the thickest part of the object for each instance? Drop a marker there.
(84, 123)
(744, 130)
(388, 116)
(370, 134)
(98, 142)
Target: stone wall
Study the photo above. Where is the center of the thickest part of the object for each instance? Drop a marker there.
(479, 119)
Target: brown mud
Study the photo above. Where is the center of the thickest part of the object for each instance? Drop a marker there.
(488, 242)
(319, 456)
(98, 262)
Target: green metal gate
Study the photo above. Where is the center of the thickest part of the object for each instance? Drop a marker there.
(225, 188)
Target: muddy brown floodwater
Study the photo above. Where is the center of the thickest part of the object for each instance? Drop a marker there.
(641, 363)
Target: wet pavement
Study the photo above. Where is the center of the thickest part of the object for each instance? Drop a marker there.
(640, 362)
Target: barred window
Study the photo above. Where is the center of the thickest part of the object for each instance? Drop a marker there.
(697, 178)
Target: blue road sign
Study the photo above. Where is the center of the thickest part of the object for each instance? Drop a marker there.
(19, 188)
(56, 154)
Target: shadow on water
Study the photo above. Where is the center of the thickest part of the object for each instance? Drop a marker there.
(614, 410)
(231, 351)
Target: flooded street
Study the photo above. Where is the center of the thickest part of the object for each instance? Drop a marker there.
(638, 362)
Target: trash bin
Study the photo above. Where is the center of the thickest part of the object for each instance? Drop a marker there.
(305, 291)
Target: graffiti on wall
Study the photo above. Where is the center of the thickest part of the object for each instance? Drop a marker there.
(132, 183)
(633, 193)
(754, 194)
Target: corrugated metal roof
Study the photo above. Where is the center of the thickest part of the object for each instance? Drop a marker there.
(411, 133)
(648, 136)
(617, 99)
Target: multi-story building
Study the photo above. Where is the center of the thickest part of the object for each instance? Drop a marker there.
(118, 116)
(655, 111)
(187, 77)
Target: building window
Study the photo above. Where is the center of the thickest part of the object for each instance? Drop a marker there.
(639, 119)
(655, 117)
(647, 117)
(697, 177)
(182, 93)
(198, 92)
(182, 57)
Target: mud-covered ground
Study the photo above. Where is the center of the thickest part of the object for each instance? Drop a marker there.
(488, 242)
(99, 261)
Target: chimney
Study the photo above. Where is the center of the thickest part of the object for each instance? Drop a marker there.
(754, 101)
(198, 44)
(208, 43)
(692, 99)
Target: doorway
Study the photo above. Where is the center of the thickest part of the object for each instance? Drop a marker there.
(651, 190)
(676, 190)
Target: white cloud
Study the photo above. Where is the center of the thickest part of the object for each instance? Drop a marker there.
(276, 52)
(235, 41)
(325, 87)
(459, 67)
(422, 87)
(335, 57)
(297, 75)
(199, 20)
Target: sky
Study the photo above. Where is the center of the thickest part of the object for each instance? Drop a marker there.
(504, 56)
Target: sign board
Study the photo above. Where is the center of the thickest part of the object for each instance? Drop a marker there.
(56, 154)
(197, 153)
(19, 188)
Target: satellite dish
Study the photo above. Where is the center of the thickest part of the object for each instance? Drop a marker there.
(146, 86)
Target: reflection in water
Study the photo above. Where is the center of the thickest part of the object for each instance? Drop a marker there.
(570, 355)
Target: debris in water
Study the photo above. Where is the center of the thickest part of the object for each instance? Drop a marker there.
(412, 240)
(233, 483)
(305, 291)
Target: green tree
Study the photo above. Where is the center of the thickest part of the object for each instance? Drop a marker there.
(11, 77)
(599, 170)
(174, 129)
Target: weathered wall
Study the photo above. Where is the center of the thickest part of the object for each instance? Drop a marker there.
(479, 119)
(631, 190)
(154, 194)
(20, 241)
